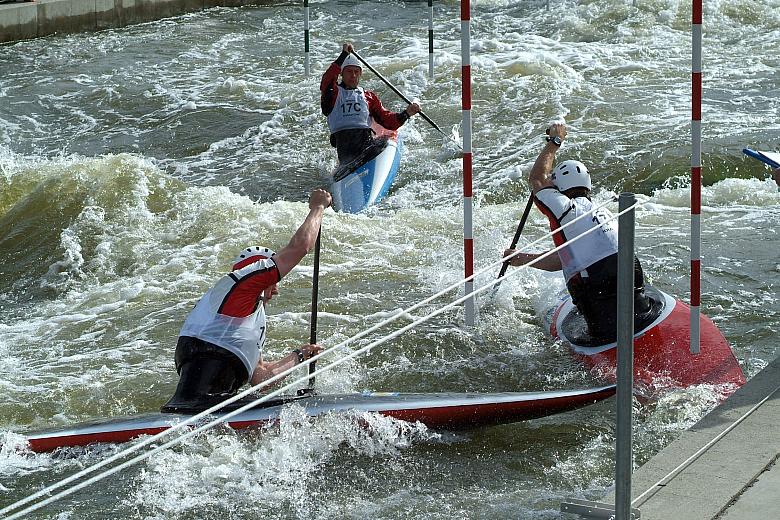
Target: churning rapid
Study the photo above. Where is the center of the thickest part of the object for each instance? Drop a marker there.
(136, 162)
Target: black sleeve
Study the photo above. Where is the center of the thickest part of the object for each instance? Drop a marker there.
(341, 58)
(326, 101)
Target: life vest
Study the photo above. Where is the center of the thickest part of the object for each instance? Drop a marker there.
(350, 111)
(231, 315)
(597, 245)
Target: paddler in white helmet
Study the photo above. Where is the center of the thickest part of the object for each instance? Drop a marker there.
(590, 263)
(220, 346)
(350, 108)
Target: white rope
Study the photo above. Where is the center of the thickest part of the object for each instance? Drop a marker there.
(223, 418)
(281, 375)
(137, 446)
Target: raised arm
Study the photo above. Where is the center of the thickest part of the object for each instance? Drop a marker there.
(304, 238)
(539, 177)
(330, 81)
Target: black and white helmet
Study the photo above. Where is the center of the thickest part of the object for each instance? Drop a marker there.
(250, 255)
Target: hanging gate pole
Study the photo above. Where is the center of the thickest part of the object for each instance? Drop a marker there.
(430, 38)
(306, 60)
(468, 203)
(696, 177)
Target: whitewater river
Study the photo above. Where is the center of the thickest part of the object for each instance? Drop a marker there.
(135, 162)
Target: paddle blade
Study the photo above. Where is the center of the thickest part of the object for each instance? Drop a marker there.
(450, 145)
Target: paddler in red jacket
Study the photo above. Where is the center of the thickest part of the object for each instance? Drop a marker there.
(350, 108)
(220, 346)
(589, 264)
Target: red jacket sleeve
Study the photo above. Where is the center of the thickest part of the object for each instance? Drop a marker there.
(329, 88)
(244, 297)
(389, 120)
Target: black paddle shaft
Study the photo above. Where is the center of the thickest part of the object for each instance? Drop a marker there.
(516, 238)
(315, 286)
(400, 94)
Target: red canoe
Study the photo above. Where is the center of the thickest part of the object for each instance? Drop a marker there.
(437, 411)
(662, 357)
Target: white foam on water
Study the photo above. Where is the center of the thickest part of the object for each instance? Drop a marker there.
(227, 139)
(276, 469)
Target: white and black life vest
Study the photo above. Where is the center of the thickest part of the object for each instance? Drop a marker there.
(350, 110)
(599, 244)
(231, 314)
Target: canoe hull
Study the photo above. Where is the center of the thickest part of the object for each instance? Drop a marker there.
(370, 182)
(437, 411)
(662, 357)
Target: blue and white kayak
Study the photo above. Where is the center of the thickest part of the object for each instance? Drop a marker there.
(446, 411)
(771, 159)
(367, 180)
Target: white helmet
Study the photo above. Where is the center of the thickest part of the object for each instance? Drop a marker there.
(250, 255)
(351, 61)
(570, 174)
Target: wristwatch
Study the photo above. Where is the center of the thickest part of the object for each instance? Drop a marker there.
(556, 140)
(301, 357)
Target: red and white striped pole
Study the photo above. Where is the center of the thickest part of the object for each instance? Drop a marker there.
(430, 38)
(696, 177)
(468, 234)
